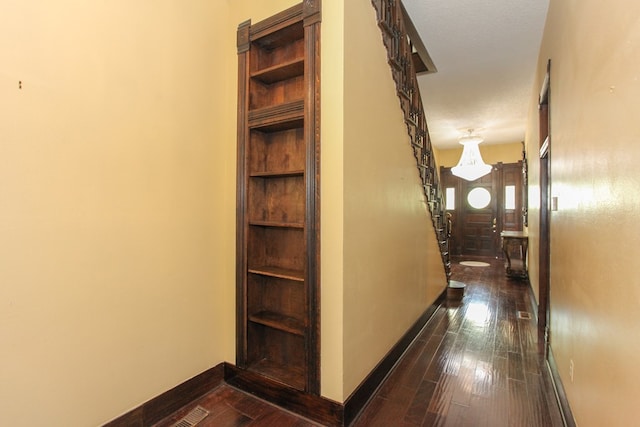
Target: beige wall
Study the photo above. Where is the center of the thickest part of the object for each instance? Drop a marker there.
(595, 52)
(491, 154)
(392, 267)
(332, 199)
(256, 10)
(117, 202)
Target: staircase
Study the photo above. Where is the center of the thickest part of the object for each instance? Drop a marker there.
(392, 23)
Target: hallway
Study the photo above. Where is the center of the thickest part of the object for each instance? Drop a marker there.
(475, 364)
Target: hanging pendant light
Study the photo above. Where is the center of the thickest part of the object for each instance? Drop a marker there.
(471, 166)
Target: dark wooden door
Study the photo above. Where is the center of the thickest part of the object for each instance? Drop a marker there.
(479, 226)
(476, 230)
(510, 201)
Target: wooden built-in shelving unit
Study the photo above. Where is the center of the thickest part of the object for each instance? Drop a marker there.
(278, 197)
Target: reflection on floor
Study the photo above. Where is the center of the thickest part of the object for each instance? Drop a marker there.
(476, 363)
(229, 407)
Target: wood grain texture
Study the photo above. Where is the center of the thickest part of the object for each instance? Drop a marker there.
(229, 407)
(363, 393)
(278, 226)
(322, 410)
(476, 363)
(172, 400)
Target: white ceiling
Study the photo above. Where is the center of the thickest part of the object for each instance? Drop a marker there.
(486, 53)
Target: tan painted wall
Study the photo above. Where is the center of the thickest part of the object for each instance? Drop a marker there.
(256, 10)
(117, 202)
(332, 200)
(595, 91)
(392, 267)
(491, 154)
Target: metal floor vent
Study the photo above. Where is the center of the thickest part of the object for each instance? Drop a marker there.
(196, 415)
(524, 315)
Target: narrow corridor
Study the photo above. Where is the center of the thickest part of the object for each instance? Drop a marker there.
(475, 364)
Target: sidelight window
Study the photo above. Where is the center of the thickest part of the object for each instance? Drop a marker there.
(450, 199)
(510, 197)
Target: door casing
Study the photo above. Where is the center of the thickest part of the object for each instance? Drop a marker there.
(474, 232)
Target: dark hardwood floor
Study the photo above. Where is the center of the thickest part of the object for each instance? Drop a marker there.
(229, 407)
(476, 363)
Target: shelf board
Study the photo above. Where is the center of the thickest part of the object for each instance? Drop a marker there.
(277, 33)
(277, 224)
(279, 322)
(280, 72)
(278, 117)
(276, 174)
(287, 374)
(282, 273)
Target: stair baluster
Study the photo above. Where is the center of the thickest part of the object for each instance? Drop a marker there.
(399, 54)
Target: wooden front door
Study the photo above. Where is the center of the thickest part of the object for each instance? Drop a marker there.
(475, 230)
(479, 235)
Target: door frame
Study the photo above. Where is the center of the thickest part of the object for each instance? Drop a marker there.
(498, 182)
(544, 253)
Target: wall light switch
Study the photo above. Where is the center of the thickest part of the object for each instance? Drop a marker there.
(554, 203)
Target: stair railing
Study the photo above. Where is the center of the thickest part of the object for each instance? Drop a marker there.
(391, 20)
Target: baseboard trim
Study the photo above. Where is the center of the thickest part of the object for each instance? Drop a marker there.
(316, 408)
(363, 393)
(554, 374)
(170, 401)
(561, 396)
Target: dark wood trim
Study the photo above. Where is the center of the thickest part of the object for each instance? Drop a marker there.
(311, 11)
(502, 174)
(553, 374)
(544, 246)
(312, 135)
(318, 408)
(276, 22)
(497, 204)
(360, 397)
(170, 401)
(396, 40)
(277, 114)
(561, 396)
(314, 407)
(241, 171)
(242, 41)
(421, 58)
(274, 44)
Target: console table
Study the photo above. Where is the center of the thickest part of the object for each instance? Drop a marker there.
(514, 246)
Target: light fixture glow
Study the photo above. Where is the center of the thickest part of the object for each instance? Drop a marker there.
(471, 166)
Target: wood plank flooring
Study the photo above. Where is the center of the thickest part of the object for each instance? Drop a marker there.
(229, 407)
(476, 363)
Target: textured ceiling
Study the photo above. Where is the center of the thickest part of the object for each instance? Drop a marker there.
(485, 52)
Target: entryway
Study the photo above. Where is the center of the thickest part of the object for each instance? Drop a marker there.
(483, 208)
